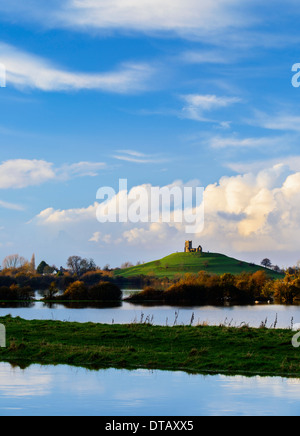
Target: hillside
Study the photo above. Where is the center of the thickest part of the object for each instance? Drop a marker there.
(182, 263)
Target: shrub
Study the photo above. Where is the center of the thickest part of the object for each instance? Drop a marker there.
(5, 293)
(16, 293)
(92, 278)
(24, 293)
(52, 291)
(76, 291)
(148, 294)
(7, 281)
(105, 291)
(186, 292)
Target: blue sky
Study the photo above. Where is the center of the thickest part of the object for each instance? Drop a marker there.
(157, 92)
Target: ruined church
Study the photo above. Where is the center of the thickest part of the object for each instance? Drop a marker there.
(188, 248)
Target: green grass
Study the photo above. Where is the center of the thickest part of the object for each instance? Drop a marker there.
(182, 263)
(199, 349)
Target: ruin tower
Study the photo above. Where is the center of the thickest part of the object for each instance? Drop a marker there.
(188, 248)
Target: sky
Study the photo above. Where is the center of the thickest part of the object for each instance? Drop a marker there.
(166, 93)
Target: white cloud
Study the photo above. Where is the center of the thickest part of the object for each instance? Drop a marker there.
(292, 162)
(160, 232)
(209, 102)
(266, 205)
(137, 157)
(248, 212)
(81, 169)
(185, 18)
(136, 202)
(225, 23)
(197, 105)
(25, 70)
(10, 206)
(51, 216)
(279, 121)
(235, 142)
(98, 238)
(21, 173)
(152, 15)
(205, 57)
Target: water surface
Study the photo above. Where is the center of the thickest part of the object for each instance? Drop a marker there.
(125, 312)
(63, 390)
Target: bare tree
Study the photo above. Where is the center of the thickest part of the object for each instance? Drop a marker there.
(79, 266)
(126, 265)
(73, 264)
(14, 261)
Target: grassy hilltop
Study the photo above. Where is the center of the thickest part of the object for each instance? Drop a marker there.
(182, 263)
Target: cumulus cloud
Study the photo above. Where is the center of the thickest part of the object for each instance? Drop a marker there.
(266, 204)
(291, 162)
(140, 204)
(243, 213)
(51, 216)
(160, 232)
(98, 238)
(25, 70)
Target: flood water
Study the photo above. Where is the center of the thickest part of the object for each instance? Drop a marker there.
(125, 313)
(64, 390)
(68, 391)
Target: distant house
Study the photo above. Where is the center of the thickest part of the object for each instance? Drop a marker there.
(188, 248)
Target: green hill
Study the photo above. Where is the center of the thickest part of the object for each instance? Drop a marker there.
(182, 263)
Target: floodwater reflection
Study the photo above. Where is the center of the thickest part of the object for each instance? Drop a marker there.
(125, 313)
(69, 391)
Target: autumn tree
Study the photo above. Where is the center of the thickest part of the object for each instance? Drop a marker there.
(52, 291)
(76, 291)
(288, 289)
(14, 261)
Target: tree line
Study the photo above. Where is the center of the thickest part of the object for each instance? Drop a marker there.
(211, 288)
(19, 277)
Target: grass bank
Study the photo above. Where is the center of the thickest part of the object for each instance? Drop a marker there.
(200, 349)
